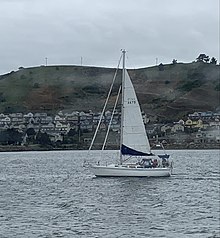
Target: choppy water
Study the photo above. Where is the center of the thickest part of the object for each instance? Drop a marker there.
(50, 194)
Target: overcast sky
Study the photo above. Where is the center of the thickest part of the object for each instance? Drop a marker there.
(66, 31)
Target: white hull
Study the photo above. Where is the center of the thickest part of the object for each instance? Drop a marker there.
(125, 171)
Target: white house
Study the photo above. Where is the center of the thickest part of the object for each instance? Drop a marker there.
(177, 127)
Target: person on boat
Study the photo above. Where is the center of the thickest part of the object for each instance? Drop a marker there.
(165, 162)
(147, 163)
(155, 163)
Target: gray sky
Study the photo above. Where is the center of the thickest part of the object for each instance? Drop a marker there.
(66, 30)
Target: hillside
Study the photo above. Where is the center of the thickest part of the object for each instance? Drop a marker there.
(165, 92)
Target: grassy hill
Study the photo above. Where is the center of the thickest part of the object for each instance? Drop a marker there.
(165, 92)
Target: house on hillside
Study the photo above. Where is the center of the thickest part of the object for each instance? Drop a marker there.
(194, 116)
(194, 123)
(29, 117)
(35, 126)
(151, 129)
(47, 120)
(4, 119)
(206, 115)
(62, 127)
(216, 115)
(40, 115)
(16, 118)
(209, 136)
(73, 126)
(4, 126)
(115, 127)
(86, 126)
(72, 118)
(19, 127)
(96, 118)
(176, 127)
(209, 115)
(145, 118)
(59, 118)
(102, 126)
(215, 123)
(108, 116)
(166, 128)
(49, 127)
(172, 128)
(213, 136)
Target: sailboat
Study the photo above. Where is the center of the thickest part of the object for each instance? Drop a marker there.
(134, 143)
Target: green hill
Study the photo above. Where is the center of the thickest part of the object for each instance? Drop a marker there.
(165, 92)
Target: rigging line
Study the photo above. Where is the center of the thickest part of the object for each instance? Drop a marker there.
(128, 158)
(103, 110)
(116, 102)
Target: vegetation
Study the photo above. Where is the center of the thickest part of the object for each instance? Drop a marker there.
(43, 139)
(10, 137)
(203, 58)
(190, 85)
(217, 87)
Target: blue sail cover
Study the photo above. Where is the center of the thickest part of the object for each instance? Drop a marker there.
(128, 151)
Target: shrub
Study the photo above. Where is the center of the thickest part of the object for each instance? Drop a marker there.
(217, 87)
(36, 85)
(23, 76)
(189, 85)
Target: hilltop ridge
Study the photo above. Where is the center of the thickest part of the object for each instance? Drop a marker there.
(165, 91)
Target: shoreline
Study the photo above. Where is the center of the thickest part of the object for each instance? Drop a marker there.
(17, 148)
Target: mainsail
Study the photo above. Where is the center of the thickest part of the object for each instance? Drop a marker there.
(134, 137)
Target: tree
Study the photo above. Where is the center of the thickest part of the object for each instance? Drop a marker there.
(30, 135)
(203, 58)
(43, 138)
(207, 59)
(72, 132)
(174, 61)
(213, 60)
(161, 67)
(12, 137)
(31, 132)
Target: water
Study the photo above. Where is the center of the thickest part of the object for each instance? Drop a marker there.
(50, 194)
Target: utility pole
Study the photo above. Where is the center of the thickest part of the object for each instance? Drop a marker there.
(46, 61)
(81, 60)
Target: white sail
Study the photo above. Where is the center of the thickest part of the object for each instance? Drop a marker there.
(134, 138)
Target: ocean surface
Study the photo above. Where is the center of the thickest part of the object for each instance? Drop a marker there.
(50, 194)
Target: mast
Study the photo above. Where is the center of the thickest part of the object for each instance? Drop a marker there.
(122, 103)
